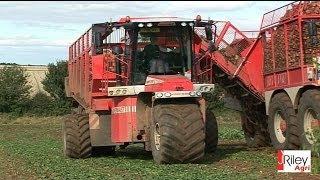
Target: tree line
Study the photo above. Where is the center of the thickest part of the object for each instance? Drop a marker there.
(15, 91)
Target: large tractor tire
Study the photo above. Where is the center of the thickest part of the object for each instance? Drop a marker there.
(282, 123)
(309, 118)
(211, 139)
(255, 136)
(76, 136)
(177, 133)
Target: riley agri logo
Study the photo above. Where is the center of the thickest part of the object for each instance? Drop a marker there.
(294, 161)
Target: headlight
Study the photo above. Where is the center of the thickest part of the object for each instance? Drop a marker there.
(183, 24)
(167, 94)
(140, 25)
(118, 91)
(124, 91)
(159, 95)
(111, 93)
(149, 25)
(191, 24)
(192, 93)
(198, 93)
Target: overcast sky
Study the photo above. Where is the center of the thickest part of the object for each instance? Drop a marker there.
(40, 32)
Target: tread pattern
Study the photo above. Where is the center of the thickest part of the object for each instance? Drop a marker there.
(182, 133)
(309, 99)
(282, 102)
(254, 135)
(77, 136)
(211, 139)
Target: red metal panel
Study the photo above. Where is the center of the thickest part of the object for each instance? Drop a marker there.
(269, 81)
(123, 119)
(104, 104)
(82, 75)
(254, 68)
(78, 74)
(97, 66)
(160, 83)
(281, 79)
(74, 75)
(86, 77)
(295, 77)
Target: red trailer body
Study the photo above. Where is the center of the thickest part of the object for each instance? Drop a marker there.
(275, 77)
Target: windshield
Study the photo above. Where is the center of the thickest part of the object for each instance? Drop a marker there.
(162, 51)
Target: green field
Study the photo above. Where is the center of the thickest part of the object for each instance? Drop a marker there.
(31, 148)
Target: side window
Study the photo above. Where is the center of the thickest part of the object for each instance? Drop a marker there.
(186, 39)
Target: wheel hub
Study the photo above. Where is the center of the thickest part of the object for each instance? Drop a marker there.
(279, 127)
(157, 137)
(310, 123)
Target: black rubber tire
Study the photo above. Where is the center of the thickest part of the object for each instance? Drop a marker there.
(254, 136)
(76, 136)
(281, 103)
(182, 134)
(309, 100)
(211, 139)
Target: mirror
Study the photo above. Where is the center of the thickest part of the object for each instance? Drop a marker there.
(208, 32)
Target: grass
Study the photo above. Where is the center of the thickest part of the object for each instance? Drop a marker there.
(31, 148)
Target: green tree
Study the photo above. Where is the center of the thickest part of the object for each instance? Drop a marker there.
(4, 63)
(215, 98)
(53, 83)
(14, 90)
(54, 80)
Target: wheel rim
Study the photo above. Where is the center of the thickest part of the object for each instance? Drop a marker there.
(279, 127)
(157, 137)
(310, 122)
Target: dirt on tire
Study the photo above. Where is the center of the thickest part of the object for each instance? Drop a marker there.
(310, 100)
(253, 134)
(181, 131)
(282, 105)
(76, 136)
(211, 126)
